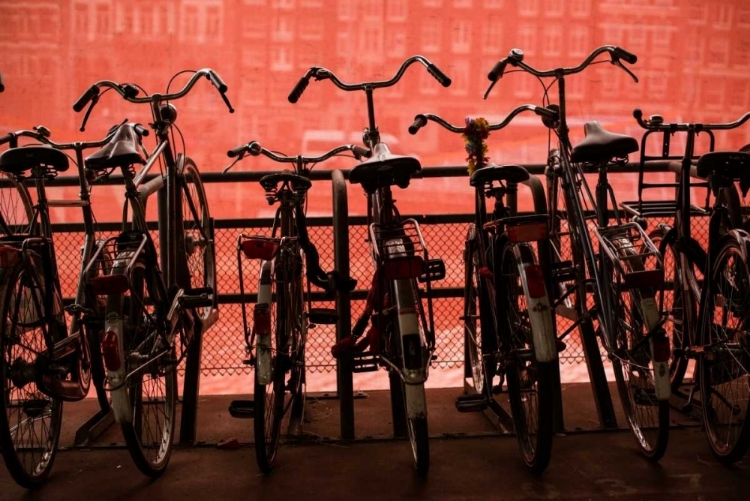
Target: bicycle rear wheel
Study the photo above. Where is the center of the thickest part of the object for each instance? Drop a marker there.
(672, 304)
(530, 382)
(15, 206)
(152, 388)
(632, 364)
(199, 245)
(479, 317)
(29, 420)
(723, 369)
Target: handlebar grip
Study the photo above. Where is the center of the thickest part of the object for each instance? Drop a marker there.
(623, 54)
(2, 85)
(217, 81)
(130, 91)
(85, 98)
(6, 138)
(439, 75)
(361, 152)
(299, 89)
(140, 130)
(637, 114)
(419, 122)
(235, 152)
(497, 71)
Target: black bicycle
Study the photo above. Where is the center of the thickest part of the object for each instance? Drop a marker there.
(283, 312)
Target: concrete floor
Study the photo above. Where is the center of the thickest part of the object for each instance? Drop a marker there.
(469, 460)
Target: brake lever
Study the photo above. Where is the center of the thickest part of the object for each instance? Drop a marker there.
(94, 100)
(236, 159)
(616, 62)
(226, 101)
(489, 89)
(321, 74)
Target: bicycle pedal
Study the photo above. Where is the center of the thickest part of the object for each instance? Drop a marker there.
(242, 409)
(471, 403)
(196, 301)
(434, 269)
(197, 291)
(364, 362)
(323, 316)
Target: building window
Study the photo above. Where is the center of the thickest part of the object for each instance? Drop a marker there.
(718, 51)
(552, 41)
(346, 10)
(637, 38)
(524, 86)
(656, 86)
(579, 41)
(433, 3)
(343, 39)
(580, 8)
(527, 39)
(213, 22)
(698, 12)
(493, 35)
(427, 83)
(528, 8)
(371, 40)
(493, 4)
(311, 4)
(281, 59)
(102, 20)
(553, 8)
(431, 33)
(283, 28)
(462, 4)
(714, 92)
(743, 16)
(397, 10)
(575, 88)
(461, 37)
(694, 51)
(283, 4)
(460, 74)
(661, 39)
(81, 22)
(743, 54)
(311, 29)
(396, 44)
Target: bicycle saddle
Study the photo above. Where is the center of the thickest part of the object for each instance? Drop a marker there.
(602, 146)
(513, 174)
(384, 168)
(299, 183)
(121, 151)
(16, 161)
(728, 164)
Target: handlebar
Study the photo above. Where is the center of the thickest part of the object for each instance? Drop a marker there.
(130, 92)
(515, 58)
(421, 119)
(41, 133)
(656, 123)
(2, 85)
(324, 74)
(255, 149)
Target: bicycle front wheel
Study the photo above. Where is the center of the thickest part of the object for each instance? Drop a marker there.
(152, 384)
(632, 364)
(723, 369)
(530, 382)
(199, 245)
(16, 210)
(29, 420)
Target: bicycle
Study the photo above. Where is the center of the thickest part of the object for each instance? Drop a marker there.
(283, 313)
(45, 360)
(623, 276)
(507, 314)
(155, 313)
(706, 298)
(402, 337)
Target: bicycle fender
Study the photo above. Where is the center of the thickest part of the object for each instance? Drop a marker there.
(263, 341)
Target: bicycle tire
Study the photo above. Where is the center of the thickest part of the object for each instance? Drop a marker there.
(727, 298)
(20, 344)
(200, 251)
(150, 450)
(530, 382)
(269, 398)
(672, 305)
(15, 206)
(632, 365)
(403, 292)
(479, 312)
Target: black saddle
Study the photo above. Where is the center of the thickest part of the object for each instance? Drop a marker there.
(384, 168)
(602, 146)
(16, 161)
(297, 182)
(122, 151)
(734, 165)
(513, 174)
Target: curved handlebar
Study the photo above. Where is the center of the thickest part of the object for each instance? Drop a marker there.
(2, 85)
(421, 119)
(255, 149)
(656, 122)
(324, 74)
(41, 134)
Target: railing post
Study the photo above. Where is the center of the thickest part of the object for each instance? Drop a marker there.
(344, 375)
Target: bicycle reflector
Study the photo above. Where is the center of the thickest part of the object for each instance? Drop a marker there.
(402, 267)
(259, 248)
(528, 232)
(111, 351)
(109, 284)
(535, 280)
(262, 319)
(9, 257)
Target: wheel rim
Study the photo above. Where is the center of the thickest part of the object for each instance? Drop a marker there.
(727, 332)
(473, 324)
(633, 366)
(15, 205)
(32, 418)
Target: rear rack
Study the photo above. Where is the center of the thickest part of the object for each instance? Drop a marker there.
(657, 208)
(632, 265)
